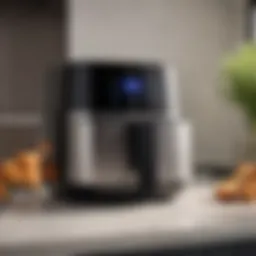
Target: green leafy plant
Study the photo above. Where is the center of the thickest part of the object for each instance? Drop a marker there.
(239, 71)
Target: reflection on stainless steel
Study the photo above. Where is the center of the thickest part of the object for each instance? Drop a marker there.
(98, 149)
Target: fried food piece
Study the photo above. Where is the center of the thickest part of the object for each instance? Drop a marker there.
(25, 169)
(1, 174)
(245, 172)
(249, 190)
(229, 191)
(3, 192)
(31, 164)
(12, 173)
(240, 186)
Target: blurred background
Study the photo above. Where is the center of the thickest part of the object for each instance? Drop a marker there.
(36, 36)
(193, 36)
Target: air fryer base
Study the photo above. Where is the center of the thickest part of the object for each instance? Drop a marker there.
(92, 195)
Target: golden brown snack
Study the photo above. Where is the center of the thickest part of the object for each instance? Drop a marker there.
(229, 191)
(245, 172)
(249, 190)
(31, 164)
(240, 186)
(3, 192)
(26, 169)
(12, 173)
(27, 157)
(1, 174)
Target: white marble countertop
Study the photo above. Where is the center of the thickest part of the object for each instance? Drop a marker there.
(193, 217)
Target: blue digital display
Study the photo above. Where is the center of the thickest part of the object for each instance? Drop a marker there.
(132, 85)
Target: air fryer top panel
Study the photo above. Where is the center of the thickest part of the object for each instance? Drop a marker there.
(113, 87)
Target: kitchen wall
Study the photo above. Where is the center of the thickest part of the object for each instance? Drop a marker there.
(192, 35)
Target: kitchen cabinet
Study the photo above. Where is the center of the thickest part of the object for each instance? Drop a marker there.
(31, 44)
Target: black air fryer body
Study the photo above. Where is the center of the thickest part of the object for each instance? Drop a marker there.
(112, 132)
